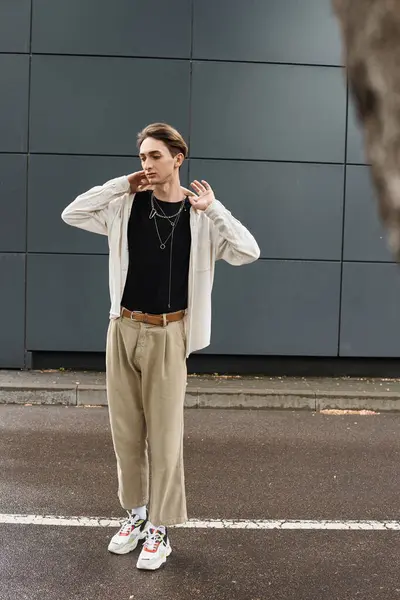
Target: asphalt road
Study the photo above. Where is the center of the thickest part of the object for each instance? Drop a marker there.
(239, 465)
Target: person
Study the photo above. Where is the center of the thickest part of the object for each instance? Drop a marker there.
(164, 240)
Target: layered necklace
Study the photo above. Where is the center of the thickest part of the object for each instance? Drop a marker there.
(156, 212)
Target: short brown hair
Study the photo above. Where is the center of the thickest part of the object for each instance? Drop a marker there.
(167, 134)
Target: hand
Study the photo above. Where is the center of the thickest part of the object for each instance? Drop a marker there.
(139, 182)
(205, 195)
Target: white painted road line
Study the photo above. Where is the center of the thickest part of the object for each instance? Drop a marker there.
(15, 519)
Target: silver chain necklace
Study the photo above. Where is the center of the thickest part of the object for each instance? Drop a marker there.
(153, 215)
(163, 244)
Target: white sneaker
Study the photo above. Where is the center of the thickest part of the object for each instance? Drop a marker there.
(127, 538)
(155, 550)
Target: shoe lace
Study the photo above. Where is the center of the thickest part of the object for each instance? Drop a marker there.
(128, 523)
(154, 537)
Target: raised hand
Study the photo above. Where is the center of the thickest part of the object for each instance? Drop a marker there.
(203, 198)
(139, 182)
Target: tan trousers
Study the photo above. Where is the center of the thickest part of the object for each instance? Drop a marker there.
(146, 384)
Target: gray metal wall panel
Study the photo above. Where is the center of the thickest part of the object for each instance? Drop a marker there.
(355, 141)
(54, 182)
(14, 76)
(276, 307)
(67, 302)
(12, 203)
(266, 30)
(153, 28)
(92, 105)
(293, 210)
(370, 321)
(15, 24)
(268, 112)
(12, 310)
(365, 238)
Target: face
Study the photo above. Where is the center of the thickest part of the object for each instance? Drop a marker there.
(157, 162)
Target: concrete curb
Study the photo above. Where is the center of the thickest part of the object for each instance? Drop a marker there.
(209, 397)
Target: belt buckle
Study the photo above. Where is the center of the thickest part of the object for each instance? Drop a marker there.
(132, 315)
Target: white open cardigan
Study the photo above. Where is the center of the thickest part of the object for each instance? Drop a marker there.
(216, 234)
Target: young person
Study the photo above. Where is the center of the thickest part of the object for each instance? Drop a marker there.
(164, 240)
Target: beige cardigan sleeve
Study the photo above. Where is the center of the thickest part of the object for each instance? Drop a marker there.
(90, 210)
(234, 243)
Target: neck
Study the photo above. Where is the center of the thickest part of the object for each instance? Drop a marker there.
(170, 191)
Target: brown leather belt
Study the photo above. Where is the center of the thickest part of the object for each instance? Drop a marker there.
(153, 319)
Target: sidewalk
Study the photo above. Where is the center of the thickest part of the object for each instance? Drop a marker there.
(87, 388)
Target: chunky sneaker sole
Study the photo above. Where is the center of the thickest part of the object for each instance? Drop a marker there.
(146, 564)
(128, 537)
(155, 552)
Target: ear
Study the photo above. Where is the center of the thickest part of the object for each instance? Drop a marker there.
(179, 158)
